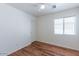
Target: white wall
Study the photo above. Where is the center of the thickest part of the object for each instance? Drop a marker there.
(16, 29)
(45, 30)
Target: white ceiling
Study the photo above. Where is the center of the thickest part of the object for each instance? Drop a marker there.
(33, 8)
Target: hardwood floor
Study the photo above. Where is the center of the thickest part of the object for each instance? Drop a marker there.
(44, 49)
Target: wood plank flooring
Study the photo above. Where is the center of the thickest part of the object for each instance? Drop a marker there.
(44, 49)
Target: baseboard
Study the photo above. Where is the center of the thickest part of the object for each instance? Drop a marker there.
(18, 49)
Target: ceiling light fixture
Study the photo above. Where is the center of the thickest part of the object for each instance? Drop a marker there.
(42, 7)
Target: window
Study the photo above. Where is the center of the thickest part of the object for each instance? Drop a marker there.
(58, 26)
(64, 25)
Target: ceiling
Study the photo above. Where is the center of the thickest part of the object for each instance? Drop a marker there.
(33, 8)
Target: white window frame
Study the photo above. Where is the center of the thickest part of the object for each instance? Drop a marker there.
(64, 26)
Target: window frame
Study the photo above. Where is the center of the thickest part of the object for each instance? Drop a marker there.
(64, 26)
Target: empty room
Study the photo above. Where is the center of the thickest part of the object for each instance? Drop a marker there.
(39, 29)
